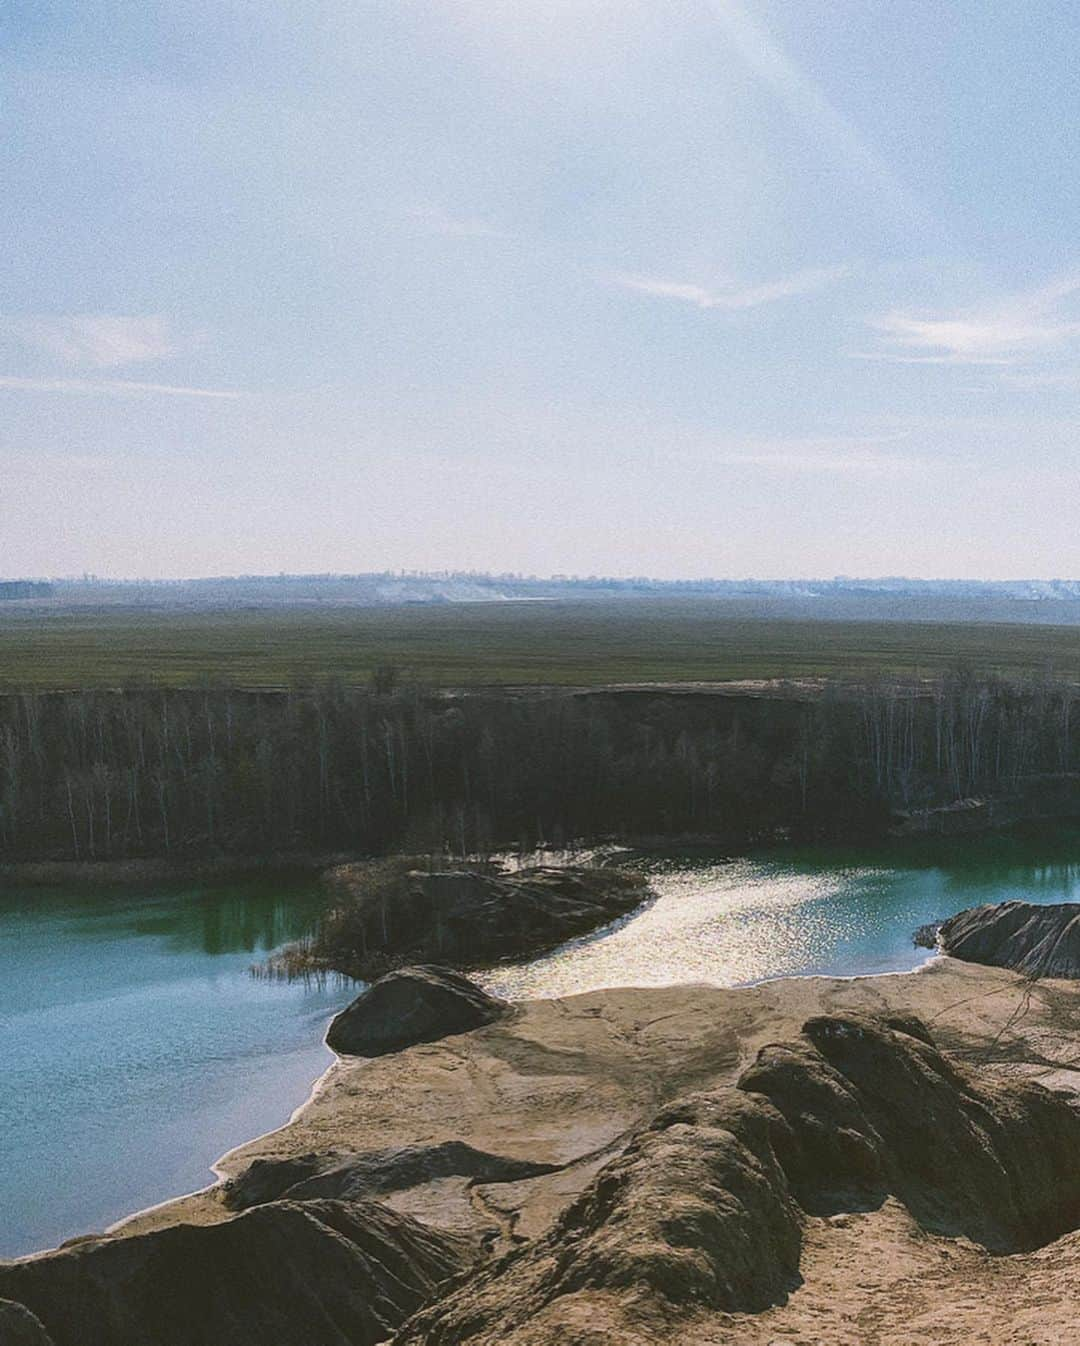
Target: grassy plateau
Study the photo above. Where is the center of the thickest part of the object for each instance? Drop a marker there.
(508, 644)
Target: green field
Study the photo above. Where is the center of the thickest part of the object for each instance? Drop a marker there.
(508, 644)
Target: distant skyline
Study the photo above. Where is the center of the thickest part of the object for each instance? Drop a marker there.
(1028, 586)
(770, 288)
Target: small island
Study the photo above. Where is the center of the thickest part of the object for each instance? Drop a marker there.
(385, 914)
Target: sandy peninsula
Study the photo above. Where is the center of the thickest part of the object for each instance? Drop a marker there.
(567, 1083)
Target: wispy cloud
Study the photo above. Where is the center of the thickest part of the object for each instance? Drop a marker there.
(1019, 327)
(104, 340)
(114, 388)
(730, 295)
(435, 221)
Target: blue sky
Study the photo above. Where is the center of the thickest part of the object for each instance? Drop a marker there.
(676, 287)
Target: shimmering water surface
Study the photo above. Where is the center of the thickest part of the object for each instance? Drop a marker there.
(135, 1048)
(799, 913)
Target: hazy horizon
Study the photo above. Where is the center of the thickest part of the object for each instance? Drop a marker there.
(444, 573)
(713, 287)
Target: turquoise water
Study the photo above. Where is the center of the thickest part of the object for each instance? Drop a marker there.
(135, 1047)
(800, 913)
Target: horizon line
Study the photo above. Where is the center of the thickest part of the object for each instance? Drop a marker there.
(90, 578)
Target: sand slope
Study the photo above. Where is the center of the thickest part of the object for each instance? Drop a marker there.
(566, 1081)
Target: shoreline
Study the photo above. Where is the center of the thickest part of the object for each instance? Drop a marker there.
(567, 1084)
(220, 1177)
(915, 845)
(217, 1167)
(325, 1083)
(160, 869)
(625, 1051)
(350, 1065)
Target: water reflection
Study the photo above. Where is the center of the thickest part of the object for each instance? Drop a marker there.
(135, 1047)
(249, 920)
(785, 913)
(246, 917)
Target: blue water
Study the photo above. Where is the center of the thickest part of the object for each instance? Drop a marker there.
(135, 1047)
(835, 912)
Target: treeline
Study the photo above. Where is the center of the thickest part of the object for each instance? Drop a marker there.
(15, 589)
(150, 772)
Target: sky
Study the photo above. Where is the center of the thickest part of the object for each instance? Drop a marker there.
(681, 288)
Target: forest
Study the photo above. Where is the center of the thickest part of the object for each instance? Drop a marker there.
(143, 772)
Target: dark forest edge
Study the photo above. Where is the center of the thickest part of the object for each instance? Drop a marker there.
(166, 870)
(218, 777)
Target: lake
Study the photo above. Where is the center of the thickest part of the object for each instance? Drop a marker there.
(785, 913)
(136, 1048)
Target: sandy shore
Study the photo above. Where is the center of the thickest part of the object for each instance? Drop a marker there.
(565, 1081)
